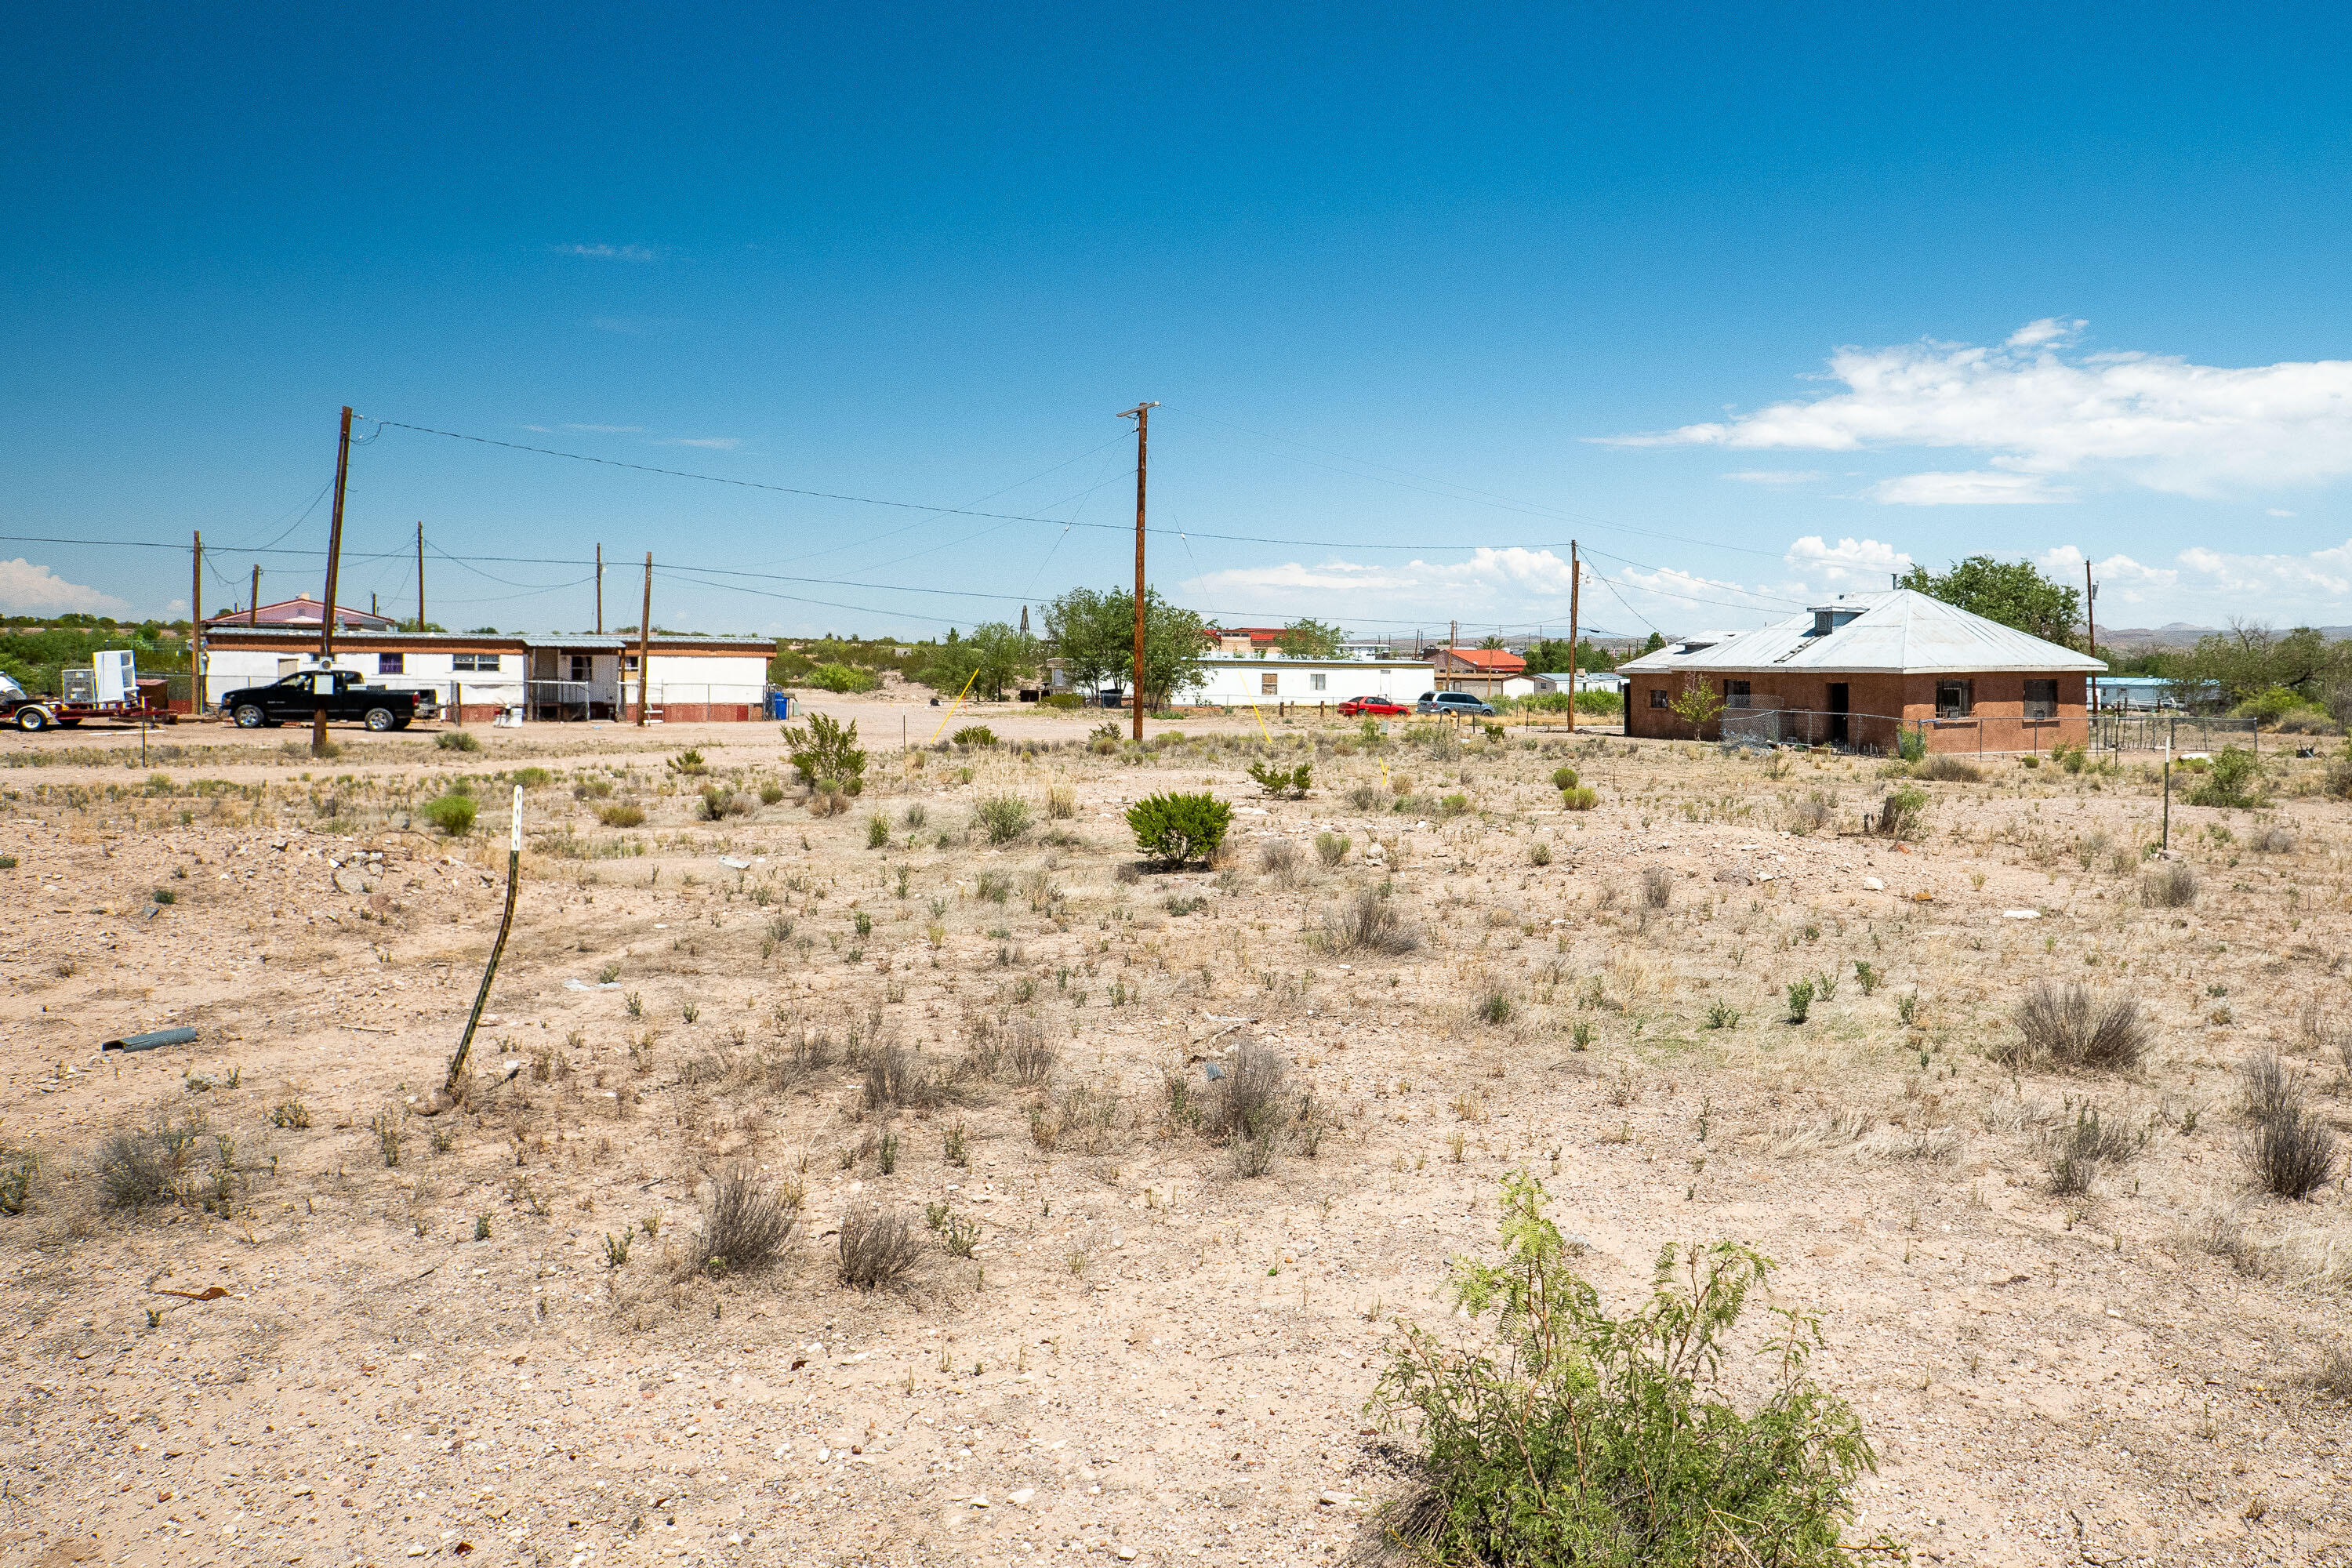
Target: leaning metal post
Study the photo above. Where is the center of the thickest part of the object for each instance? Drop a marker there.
(506, 923)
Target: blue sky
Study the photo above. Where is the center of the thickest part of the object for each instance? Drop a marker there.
(1756, 302)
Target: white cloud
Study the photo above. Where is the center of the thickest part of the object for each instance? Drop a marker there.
(29, 590)
(1978, 489)
(609, 429)
(1849, 563)
(2280, 512)
(607, 252)
(2149, 420)
(715, 443)
(2210, 588)
(1523, 588)
(1775, 475)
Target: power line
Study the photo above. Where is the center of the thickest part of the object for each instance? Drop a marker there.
(935, 510)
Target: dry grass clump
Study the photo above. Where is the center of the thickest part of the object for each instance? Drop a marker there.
(1012, 1047)
(1943, 767)
(1657, 888)
(895, 1077)
(2272, 838)
(2172, 885)
(1282, 861)
(2077, 1153)
(2291, 1151)
(1369, 924)
(1811, 814)
(622, 814)
(2064, 1025)
(878, 1246)
(1085, 1118)
(747, 1222)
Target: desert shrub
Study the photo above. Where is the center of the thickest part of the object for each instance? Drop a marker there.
(620, 815)
(1539, 853)
(2077, 1153)
(1563, 778)
(1811, 814)
(1369, 923)
(452, 813)
(1176, 829)
(718, 804)
(1580, 1438)
(878, 832)
(2065, 1026)
(2272, 838)
(1580, 798)
(1910, 745)
(1029, 1056)
(689, 763)
(2292, 1153)
(1280, 859)
(895, 1076)
(1944, 767)
(827, 754)
(841, 677)
(2235, 779)
(1493, 1003)
(457, 740)
(878, 1246)
(1801, 1001)
(972, 735)
(2338, 780)
(1368, 797)
(1898, 814)
(1657, 888)
(2170, 885)
(1065, 702)
(1331, 848)
(1283, 782)
(992, 887)
(1001, 818)
(1061, 803)
(1247, 1104)
(747, 1221)
(150, 1164)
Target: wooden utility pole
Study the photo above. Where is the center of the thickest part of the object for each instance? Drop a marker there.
(600, 590)
(253, 610)
(1141, 415)
(334, 560)
(196, 634)
(2091, 626)
(646, 640)
(420, 577)
(1575, 582)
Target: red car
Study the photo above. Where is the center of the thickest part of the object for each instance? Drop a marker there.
(1356, 706)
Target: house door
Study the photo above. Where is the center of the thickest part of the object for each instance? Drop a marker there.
(1840, 703)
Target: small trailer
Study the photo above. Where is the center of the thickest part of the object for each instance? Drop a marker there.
(109, 691)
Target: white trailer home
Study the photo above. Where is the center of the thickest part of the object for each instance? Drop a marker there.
(490, 675)
(1229, 681)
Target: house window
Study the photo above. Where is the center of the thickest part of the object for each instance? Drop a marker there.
(1734, 694)
(1315, 682)
(1266, 684)
(1658, 697)
(2041, 699)
(389, 664)
(584, 667)
(487, 662)
(1954, 698)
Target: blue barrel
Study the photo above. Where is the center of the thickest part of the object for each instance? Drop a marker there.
(780, 704)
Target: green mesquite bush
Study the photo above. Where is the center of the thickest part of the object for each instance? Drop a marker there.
(1175, 829)
(1585, 1438)
(827, 750)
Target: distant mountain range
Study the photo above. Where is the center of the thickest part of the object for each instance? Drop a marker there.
(2181, 633)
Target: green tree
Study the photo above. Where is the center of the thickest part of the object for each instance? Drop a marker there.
(1094, 635)
(1657, 640)
(1308, 638)
(1696, 703)
(993, 656)
(1549, 657)
(2014, 592)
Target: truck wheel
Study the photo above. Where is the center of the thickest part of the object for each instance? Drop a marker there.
(382, 719)
(32, 720)
(250, 717)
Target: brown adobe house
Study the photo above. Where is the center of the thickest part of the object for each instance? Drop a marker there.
(1858, 671)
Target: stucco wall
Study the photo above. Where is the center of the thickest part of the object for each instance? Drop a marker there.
(1876, 705)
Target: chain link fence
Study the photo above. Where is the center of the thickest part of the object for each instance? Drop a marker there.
(2185, 732)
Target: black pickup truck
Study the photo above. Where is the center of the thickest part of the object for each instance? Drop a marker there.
(295, 697)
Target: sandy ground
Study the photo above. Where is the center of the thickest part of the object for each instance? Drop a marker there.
(364, 1334)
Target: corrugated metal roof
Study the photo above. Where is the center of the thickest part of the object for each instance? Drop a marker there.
(581, 641)
(1895, 632)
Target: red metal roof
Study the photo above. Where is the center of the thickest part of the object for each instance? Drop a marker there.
(1501, 661)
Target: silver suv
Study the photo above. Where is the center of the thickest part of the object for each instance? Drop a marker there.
(1452, 702)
